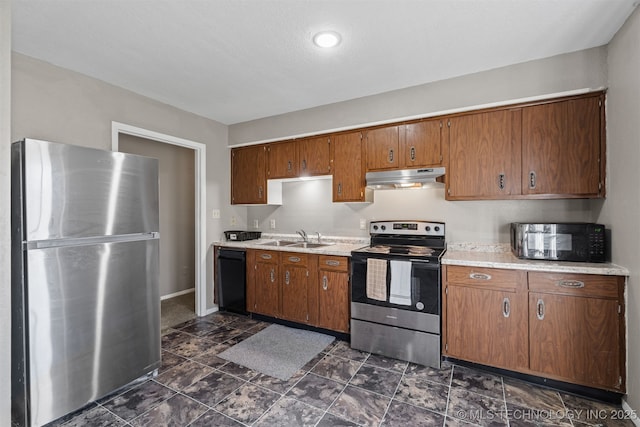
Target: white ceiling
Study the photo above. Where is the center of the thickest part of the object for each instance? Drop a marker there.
(239, 60)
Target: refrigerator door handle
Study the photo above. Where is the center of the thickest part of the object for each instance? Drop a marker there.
(78, 241)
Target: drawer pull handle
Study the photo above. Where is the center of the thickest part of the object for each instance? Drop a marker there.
(324, 283)
(332, 262)
(260, 192)
(412, 153)
(540, 309)
(289, 166)
(287, 277)
(294, 259)
(480, 276)
(573, 284)
(390, 156)
(265, 256)
(304, 165)
(506, 307)
(272, 275)
(339, 188)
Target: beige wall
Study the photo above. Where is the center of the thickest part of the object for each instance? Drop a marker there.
(5, 231)
(622, 207)
(177, 214)
(578, 70)
(56, 104)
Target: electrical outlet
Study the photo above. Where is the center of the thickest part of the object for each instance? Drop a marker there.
(363, 224)
(272, 224)
(234, 221)
(215, 214)
(256, 224)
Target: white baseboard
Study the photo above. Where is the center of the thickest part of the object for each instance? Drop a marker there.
(177, 294)
(633, 414)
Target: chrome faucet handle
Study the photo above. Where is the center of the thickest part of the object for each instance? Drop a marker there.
(319, 236)
(303, 234)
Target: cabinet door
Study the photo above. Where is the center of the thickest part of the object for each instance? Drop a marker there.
(382, 148)
(420, 144)
(283, 160)
(295, 283)
(484, 155)
(561, 148)
(333, 300)
(248, 175)
(576, 339)
(487, 326)
(267, 288)
(314, 156)
(348, 173)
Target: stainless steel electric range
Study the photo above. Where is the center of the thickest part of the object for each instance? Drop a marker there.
(395, 291)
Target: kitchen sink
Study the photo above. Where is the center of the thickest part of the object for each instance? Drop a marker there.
(309, 245)
(281, 243)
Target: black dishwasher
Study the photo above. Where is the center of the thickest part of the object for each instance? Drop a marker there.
(231, 267)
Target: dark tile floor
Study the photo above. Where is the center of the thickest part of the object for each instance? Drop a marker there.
(340, 387)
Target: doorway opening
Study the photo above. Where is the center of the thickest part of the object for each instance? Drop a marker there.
(198, 152)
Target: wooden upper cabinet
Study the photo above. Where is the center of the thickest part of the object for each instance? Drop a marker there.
(484, 155)
(561, 150)
(314, 156)
(382, 148)
(283, 160)
(248, 175)
(348, 173)
(421, 144)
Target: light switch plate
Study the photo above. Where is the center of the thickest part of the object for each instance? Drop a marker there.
(363, 224)
(256, 224)
(215, 214)
(272, 224)
(234, 221)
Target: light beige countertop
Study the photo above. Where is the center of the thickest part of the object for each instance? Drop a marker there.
(500, 256)
(338, 245)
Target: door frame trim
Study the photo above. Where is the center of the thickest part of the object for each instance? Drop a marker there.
(200, 155)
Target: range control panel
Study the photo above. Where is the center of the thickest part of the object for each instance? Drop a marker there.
(412, 228)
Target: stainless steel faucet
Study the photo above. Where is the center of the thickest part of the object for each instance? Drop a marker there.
(319, 236)
(303, 234)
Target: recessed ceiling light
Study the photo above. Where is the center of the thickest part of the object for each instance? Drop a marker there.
(327, 39)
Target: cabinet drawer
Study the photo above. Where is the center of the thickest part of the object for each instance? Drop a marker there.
(576, 284)
(489, 277)
(333, 263)
(294, 258)
(266, 256)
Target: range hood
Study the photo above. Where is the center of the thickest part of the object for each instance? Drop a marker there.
(403, 178)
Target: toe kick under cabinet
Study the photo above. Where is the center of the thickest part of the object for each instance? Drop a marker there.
(562, 326)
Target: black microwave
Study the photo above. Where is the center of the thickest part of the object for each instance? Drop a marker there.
(569, 241)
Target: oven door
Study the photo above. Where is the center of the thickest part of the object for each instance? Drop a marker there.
(424, 283)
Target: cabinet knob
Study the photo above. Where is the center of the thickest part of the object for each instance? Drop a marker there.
(340, 188)
(287, 277)
(390, 156)
(289, 166)
(265, 256)
(332, 262)
(272, 275)
(260, 192)
(304, 165)
(412, 153)
(501, 181)
(294, 259)
(324, 283)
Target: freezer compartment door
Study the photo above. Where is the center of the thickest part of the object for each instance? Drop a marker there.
(93, 322)
(72, 191)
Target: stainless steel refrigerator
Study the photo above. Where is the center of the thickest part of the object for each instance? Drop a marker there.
(85, 294)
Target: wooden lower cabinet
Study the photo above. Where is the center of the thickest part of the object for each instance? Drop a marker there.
(576, 328)
(566, 327)
(299, 287)
(295, 287)
(487, 316)
(333, 293)
(265, 291)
